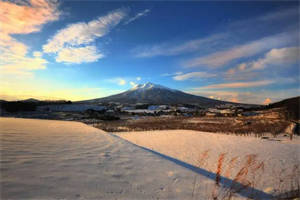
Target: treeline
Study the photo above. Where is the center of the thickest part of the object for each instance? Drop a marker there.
(19, 106)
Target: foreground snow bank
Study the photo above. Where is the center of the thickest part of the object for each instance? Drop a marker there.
(44, 159)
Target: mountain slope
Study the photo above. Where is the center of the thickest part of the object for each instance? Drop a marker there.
(156, 94)
(292, 106)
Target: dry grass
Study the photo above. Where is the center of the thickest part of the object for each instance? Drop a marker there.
(234, 125)
(247, 175)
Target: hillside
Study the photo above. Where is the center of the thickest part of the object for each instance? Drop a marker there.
(156, 94)
(292, 106)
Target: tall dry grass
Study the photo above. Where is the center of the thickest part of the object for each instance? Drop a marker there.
(246, 174)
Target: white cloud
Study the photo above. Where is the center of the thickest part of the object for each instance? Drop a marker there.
(84, 33)
(119, 81)
(275, 57)
(122, 82)
(15, 61)
(138, 15)
(193, 75)
(78, 55)
(172, 74)
(223, 57)
(132, 83)
(81, 35)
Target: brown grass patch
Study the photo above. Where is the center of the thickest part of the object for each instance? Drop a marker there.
(229, 125)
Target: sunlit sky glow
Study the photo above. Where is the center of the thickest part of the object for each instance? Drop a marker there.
(235, 51)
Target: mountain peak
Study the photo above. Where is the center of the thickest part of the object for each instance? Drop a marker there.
(148, 86)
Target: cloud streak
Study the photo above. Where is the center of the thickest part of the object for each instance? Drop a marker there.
(257, 97)
(214, 41)
(168, 49)
(193, 75)
(275, 57)
(138, 15)
(239, 84)
(80, 36)
(221, 58)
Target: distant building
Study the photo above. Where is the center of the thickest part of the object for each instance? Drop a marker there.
(153, 107)
(128, 108)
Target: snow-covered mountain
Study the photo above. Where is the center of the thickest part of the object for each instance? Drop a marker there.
(149, 86)
(156, 94)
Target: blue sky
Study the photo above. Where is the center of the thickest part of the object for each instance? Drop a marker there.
(235, 51)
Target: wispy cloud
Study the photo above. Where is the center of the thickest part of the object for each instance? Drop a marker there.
(138, 15)
(124, 81)
(170, 49)
(223, 57)
(217, 40)
(193, 75)
(172, 74)
(282, 14)
(133, 84)
(257, 97)
(81, 35)
(119, 81)
(22, 19)
(282, 57)
(239, 84)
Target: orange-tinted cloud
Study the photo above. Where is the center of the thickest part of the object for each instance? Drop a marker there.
(267, 101)
(239, 84)
(22, 18)
(234, 99)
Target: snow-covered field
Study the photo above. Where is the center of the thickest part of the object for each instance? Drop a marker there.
(48, 159)
(272, 164)
(44, 159)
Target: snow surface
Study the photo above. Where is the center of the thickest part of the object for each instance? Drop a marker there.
(279, 155)
(49, 159)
